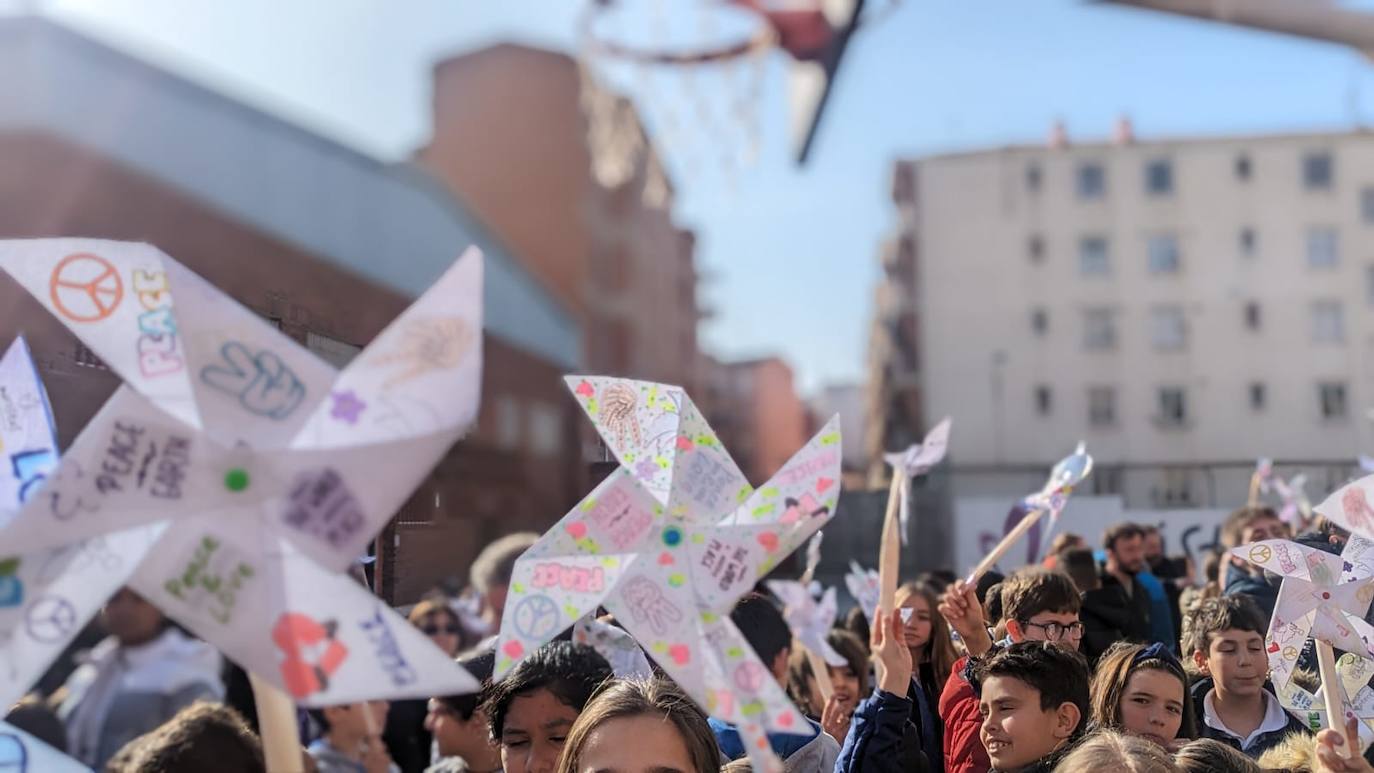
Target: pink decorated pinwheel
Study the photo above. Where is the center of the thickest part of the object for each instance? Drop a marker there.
(1323, 597)
(669, 542)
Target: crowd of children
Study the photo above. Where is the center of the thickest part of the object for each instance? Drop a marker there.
(1072, 666)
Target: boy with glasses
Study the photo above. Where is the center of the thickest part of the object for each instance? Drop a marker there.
(1037, 605)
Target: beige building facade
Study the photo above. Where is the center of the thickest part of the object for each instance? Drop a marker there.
(1184, 306)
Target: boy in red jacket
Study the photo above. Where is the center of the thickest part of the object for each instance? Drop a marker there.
(1037, 605)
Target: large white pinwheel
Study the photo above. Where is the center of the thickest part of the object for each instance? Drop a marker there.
(269, 469)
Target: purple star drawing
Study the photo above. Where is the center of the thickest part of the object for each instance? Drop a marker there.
(646, 469)
(347, 406)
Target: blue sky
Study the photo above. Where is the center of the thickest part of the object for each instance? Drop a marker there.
(793, 253)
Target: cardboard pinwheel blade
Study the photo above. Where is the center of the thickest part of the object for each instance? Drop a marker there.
(28, 436)
(917, 460)
(1323, 597)
(1358, 700)
(46, 597)
(669, 552)
(809, 619)
(328, 641)
(238, 390)
(656, 433)
(22, 753)
(269, 470)
(1352, 506)
(619, 648)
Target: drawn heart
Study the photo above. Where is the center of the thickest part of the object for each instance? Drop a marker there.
(514, 649)
(769, 541)
(665, 559)
(684, 443)
(785, 720)
(1273, 647)
(577, 529)
(823, 484)
(680, 654)
(585, 389)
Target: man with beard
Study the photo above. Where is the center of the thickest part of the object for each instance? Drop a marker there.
(1125, 544)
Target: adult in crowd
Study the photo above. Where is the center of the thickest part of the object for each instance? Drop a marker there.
(136, 679)
(1125, 546)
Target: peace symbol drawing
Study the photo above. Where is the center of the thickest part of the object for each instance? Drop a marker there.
(85, 288)
(50, 619)
(536, 616)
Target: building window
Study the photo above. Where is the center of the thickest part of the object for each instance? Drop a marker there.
(507, 423)
(1323, 247)
(1243, 167)
(1035, 247)
(1163, 253)
(87, 358)
(1099, 329)
(1040, 321)
(1331, 397)
(1168, 330)
(1173, 407)
(1367, 205)
(1328, 323)
(1317, 171)
(1092, 180)
(1247, 242)
(1101, 406)
(1159, 177)
(1369, 285)
(1034, 177)
(1257, 396)
(1093, 259)
(1252, 315)
(546, 429)
(1043, 400)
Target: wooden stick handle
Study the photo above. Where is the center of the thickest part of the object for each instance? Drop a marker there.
(1334, 693)
(821, 671)
(281, 743)
(1253, 498)
(1027, 521)
(890, 553)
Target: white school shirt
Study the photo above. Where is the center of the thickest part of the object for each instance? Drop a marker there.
(1275, 718)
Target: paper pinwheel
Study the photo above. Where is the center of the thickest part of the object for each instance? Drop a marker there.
(809, 619)
(28, 439)
(864, 586)
(1323, 597)
(1296, 507)
(1358, 699)
(270, 469)
(914, 461)
(619, 648)
(21, 752)
(1352, 506)
(668, 543)
(1052, 498)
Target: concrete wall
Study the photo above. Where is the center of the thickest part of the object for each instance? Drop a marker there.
(976, 286)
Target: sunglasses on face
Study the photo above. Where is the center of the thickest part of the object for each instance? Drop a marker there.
(434, 630)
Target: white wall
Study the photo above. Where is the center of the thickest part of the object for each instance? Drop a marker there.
(976, 287)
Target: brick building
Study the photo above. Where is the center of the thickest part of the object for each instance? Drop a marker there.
(328, 243)
(510, 139)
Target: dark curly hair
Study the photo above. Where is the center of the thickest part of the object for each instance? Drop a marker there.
(572, 672)
(1061, 675)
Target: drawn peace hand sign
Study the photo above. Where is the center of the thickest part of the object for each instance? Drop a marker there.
(263, 383)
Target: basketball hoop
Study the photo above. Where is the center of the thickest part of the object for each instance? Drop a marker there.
(699, 77)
